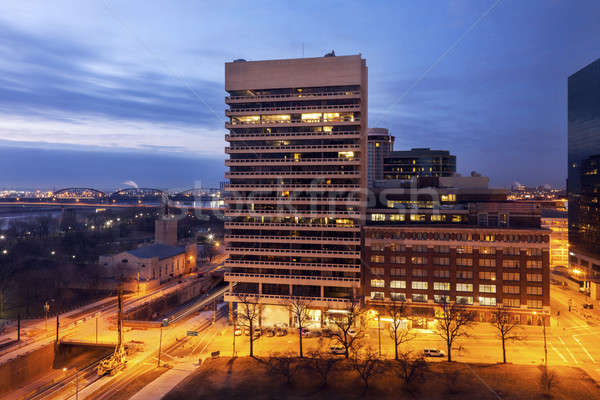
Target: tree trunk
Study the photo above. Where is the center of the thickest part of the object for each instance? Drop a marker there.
(396, 350)
(300, 341)
(503, 351)
(251, 342)
(449, 346)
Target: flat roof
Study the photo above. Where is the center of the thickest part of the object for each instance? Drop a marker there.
(159, 250)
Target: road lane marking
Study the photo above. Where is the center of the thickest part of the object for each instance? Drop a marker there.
(568, 351)
(584, 349)
(559, 353)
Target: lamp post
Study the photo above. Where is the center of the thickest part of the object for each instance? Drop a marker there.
(46, 310)
(379, 332)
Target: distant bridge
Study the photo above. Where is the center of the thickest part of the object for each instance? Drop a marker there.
(80, 193)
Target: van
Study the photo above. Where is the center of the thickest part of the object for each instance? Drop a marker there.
(433, 353)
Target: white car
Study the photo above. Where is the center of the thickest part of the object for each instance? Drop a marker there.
(352, 332)
(338, 350)
(433, 353)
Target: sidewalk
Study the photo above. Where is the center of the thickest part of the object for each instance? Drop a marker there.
(164, 383)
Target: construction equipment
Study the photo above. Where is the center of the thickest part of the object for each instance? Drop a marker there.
(118, 360)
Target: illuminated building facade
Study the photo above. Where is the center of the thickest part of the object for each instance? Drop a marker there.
(583, 184)
(380, 144)
(558, 223)
(409, 164)
(471, 248)
(297, 173)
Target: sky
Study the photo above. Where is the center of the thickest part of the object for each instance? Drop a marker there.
(103, 92)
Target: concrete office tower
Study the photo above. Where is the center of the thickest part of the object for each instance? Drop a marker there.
(381, 143)
(297, 179)
(403, 165)
(583, 183)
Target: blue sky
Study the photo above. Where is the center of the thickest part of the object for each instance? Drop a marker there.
(101, 92)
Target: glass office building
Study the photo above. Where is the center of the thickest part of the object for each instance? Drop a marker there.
(583, 183)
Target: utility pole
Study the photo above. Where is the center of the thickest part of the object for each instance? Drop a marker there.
(57, 327)
(96, 329)
(233, 354)
(545, 346)
(18, 327)
(46, 309)
(379, 332)
(159, 345)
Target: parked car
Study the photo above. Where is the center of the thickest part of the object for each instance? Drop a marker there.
(339, 350)
(327, 333)
(281, 325)
(270, 332)
(238, 332)
(433, 353)
(281, 332)
(352, 332)
(247, 331)
(310, 332)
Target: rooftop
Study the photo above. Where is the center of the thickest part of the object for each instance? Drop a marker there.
(161, 251)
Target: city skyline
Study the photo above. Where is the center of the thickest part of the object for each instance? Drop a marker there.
(112, 88)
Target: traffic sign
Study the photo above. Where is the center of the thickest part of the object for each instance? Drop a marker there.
(192, 333)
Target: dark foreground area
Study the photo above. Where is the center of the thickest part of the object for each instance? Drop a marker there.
(247, 378)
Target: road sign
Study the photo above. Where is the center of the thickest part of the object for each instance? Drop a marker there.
(165, 322)
(192, 333)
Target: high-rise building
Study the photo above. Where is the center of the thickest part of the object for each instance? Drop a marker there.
(583, 183)
(297, 179)
(403, 165)
(380, 143)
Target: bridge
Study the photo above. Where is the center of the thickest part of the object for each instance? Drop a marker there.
(83, 193)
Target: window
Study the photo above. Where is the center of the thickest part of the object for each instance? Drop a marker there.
(378, 217)
(464, 300)
(448, 197)
(510, 263)
(438, 217)
(398, 296)
(441, 273)
(487, 288)
(512, 251)
(419, 249)
(487, 301)
(398, 284)
(419, 298)
(487, 262)
(398, 260)
(511, 289)
(377, 271)
(534, 290)
(441, 298)
(534, 303)
(377, 258)
(464, 274)
(397, 247)
(398, 271)
(464, 249)
(487, 250)
(511, 276)
(456, 218)
(417, 217)
(534, 277)
(441, 286)
(534, 252)
(377, 247)
(464, 262)
(487, 275)
(511, 302)
(482, 219)
(397, 217)
(464, 287)
(419, 285)
(441, 249)
(441, 261)
(418, 260)
(377, 283)
(376, 295)
(419, 273)
(534, 263)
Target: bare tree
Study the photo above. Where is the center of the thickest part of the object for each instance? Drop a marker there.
(283, 365)
(398, 333)
(249, 315)
(349, 327)
(367, 364)
(322, 363)
(299, 308)
(547, 380)
(410, 369)
(506, 326)
(453, 320)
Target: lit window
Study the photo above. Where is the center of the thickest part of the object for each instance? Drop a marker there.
(378, 217)
(346, 154)
(376, 295)
(398, 296)
(377, 283)
(419, 285)
(464, 287)
(464, 300)
(487, 288)
(397, 217)
(398, 284)
(311, 116)
(487, 301)
(441, 286)
(441, 298)
(419, 298)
